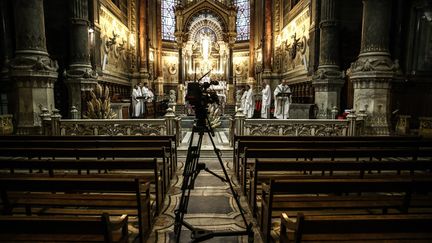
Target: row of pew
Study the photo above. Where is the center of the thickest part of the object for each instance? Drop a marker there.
(337, 189)
(89, 187)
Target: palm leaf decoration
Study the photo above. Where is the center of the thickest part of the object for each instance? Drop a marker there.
(99, 106)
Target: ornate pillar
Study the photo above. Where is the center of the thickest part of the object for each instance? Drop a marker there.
(32, 70)
(267, 35)
(373, 71)
(159, 74)
(251, 75)
(143, 43)
(267, 40)
(96, 41)
(5, 46)
(314, 39)
(180, 90)
(80, 76)
(328, 78)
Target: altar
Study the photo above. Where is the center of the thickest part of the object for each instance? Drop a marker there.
(221, 90)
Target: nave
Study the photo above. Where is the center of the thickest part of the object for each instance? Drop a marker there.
(298, 189)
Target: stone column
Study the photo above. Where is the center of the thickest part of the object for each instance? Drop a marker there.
(159, 74)
(267, 35)
(328, 78)
(181, 87)
(5, 49)
(373, 71)
(251, 74)
(143, 43)
(267, 40)
(80, 76)
(32, 70)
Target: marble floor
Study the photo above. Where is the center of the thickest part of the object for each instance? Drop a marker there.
(211, 205)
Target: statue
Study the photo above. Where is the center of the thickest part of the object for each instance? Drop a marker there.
(172, 97)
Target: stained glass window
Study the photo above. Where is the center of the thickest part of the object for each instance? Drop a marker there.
(168, 19)
(243, 19)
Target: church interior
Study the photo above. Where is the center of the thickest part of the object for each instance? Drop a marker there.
(215, 120)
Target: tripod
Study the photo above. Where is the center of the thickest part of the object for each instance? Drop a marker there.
(190, 173)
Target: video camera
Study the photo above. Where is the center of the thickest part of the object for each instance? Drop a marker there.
(200, 97)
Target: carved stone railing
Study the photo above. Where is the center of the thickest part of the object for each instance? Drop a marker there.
(112, 127)
(352, 126)
(296, 127)
(6, 124)
(53, 125)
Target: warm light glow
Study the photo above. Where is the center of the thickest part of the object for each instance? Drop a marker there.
(206, 45)
(132, 40)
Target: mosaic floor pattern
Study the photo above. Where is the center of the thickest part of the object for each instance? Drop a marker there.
(211, 207)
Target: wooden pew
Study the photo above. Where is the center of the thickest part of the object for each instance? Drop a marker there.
(98, 194)
(145, 169)
(264, 170)
(239, 141)
(169, 142)
(94, 153)
(326, 194)
(327, 144)
(63, 229)
(356, 228)
(331, 153)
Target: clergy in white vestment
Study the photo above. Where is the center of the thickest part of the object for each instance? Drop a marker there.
(243, 100)
(136, 104)
(249, 105)
(266, 100)
(144, 96)
(282, 100)
(150, 96)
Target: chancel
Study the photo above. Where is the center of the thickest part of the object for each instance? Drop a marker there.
(319, 112)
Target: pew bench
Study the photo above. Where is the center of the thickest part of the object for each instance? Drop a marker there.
(330, 195)
(145, 169)
(96, 194)
(356, 228)
(264, 170)
(63, 229)
(240, 142)
(93, 153)
(350, 153)
(168, 142)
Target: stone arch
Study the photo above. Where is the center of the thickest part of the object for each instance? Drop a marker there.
(210, 14)
(211, 23)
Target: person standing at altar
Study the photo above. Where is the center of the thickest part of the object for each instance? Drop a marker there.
(266, 100)
(144, 96)
(136, 103)
(249, 104)
(282, 96)
(150, 96)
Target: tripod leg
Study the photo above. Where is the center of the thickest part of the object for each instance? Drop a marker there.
(234, 193)
(190, 173)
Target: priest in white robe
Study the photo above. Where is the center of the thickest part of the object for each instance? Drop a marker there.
(266, 100)
(144, 96)
(136, 103)
(249, 103)
(282, 96)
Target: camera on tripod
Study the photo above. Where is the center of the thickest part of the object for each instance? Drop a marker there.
(199, 97)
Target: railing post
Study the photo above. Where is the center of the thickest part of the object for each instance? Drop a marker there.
(239, 122)
(361, 119)
(74, 112)
(46, 122)
(334, 112)
(170, 122)
(352, 123)
(55, 122)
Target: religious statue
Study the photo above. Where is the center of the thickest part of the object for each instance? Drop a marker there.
(172, 97)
